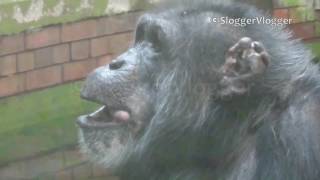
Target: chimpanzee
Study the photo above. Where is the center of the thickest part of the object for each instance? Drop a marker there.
(196, 98)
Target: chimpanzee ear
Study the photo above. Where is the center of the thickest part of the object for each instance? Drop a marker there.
(244, 61)
(155, 31)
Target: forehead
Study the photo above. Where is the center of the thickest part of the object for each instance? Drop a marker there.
(192, 19)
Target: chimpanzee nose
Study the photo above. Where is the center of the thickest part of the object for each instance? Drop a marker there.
(116, 64)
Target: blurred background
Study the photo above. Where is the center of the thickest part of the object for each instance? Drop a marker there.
(47, 47)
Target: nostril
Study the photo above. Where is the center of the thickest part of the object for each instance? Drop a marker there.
(116, 64)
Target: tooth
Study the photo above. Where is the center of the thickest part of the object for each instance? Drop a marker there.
(96, 112)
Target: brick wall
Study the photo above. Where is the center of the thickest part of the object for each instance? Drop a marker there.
(305, 18)
(61, 53)
(52, 56)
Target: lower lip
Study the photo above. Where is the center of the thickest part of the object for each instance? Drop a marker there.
(84, 122)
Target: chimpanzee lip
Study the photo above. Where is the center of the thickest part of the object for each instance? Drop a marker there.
(102, 118)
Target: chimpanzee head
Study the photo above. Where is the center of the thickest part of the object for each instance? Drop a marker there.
(183, 80)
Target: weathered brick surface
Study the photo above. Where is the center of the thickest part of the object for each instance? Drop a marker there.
(104, 60)
(12, 85)
(116, 24)
(52, 55)
(100, 46)
(78, 70)
(303, 30)
(79, 30)
(44, 77)
(80, 50)
(25, 61)
(11, 44)
(281, 13)
(8, 65)
(120, 42)
(43, 57)
(61, 53)
(45, 37)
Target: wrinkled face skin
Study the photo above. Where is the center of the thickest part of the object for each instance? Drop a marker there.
(124, 90)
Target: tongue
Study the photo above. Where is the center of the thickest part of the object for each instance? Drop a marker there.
(121, 116)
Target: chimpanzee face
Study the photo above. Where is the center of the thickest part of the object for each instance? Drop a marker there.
(125, 89)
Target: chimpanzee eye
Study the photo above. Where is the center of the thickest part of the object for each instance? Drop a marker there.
(156, 37)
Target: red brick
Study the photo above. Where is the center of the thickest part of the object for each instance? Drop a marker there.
(80, 50)
(8, 65)
(42, 38)
(44, 57)
(43, 77)
(281, 13)
(11, 44)
(78, 70)
(119, 43)
(25, 61)
(61, 53)
(119, 23)
(303, 30)
(99, 46)
(52, 55)
(79, 30)
(101, 61)
(11, 85)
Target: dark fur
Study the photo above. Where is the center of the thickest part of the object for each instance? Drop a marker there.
(270, 133)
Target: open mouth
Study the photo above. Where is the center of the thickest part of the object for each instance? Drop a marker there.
(104, 117)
